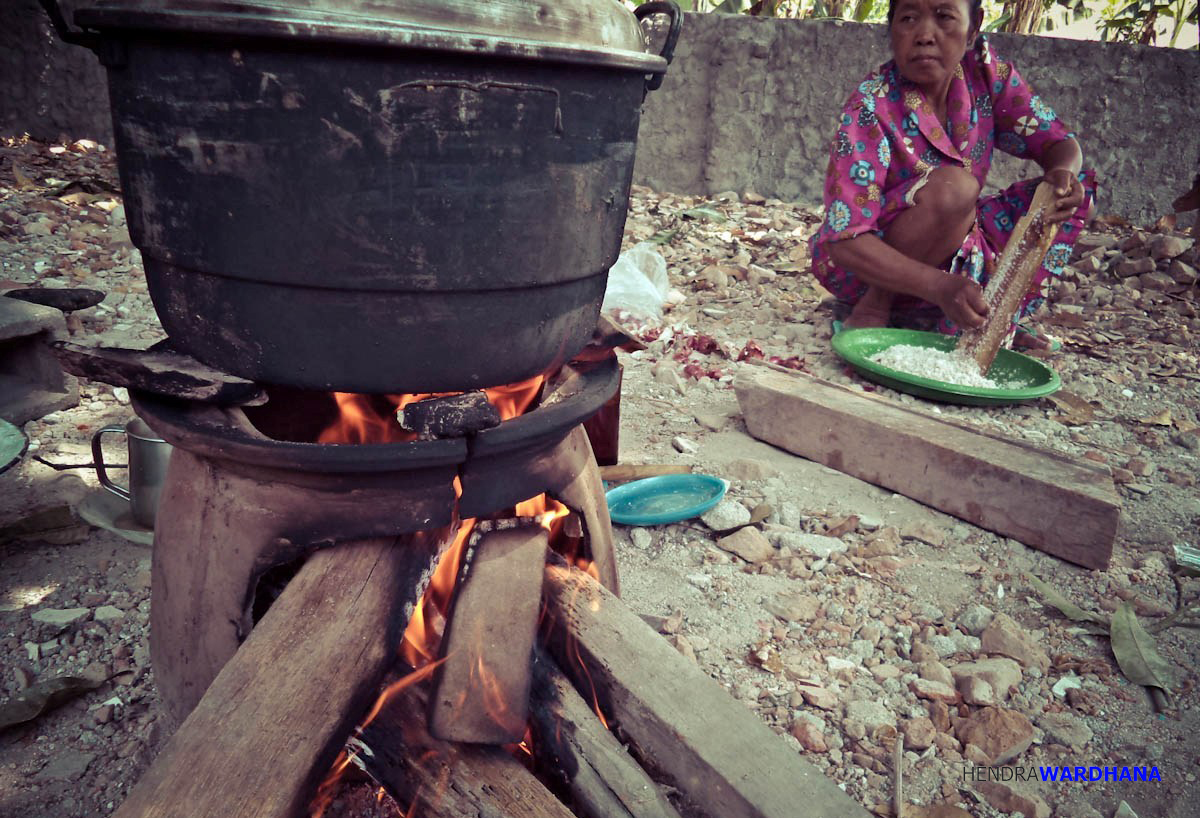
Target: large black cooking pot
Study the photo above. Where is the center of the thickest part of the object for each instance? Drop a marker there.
(375, 196)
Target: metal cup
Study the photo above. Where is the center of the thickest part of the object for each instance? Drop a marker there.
(148, 458)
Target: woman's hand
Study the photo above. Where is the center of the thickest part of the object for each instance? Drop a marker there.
(1068, 194)
(961, 299)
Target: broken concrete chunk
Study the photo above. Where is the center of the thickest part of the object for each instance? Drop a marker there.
(1005, 637)
(60, 617)
(749, 544)
(1001, 734)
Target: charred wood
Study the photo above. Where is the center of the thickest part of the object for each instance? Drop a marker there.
(159, 371)
(452, 416)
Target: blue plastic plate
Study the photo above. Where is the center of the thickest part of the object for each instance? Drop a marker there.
(666, 499)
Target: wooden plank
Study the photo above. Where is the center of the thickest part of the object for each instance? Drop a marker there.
(273, 720)
(159, 371)
(679, 721)
(568, 736)
(481, 690)
(438, 779)
(636, 471)
(1065, 507)
(1022, 256)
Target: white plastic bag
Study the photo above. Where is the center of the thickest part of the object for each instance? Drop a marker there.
(638, 283)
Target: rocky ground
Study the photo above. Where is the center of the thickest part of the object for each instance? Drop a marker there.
(855, 613)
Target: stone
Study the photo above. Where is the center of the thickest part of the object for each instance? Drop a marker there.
(712, 421)
(1169, 246)
(870, 714)
(811, 738)
(821, 697)
(1000, 673)
(976, 691)
(1160, 282)
(641, 538)
(933, 691)
(683, 445)
(1005, 637)
(919, 734)
(69, 765)
(975, 619)
(1066, 728)
(965, 643)
(942, 645)
(108, 613)
(748, 543)
(666, 374)
(935, 671)
(924, 531)
(1001, 734)
(1009, 799)
(750, 470)
(726, 514)
(794, 607)
(1181, 273)
(60, 617)
(884, 672)
(23, 676)
(1134, 267)
(817, 545)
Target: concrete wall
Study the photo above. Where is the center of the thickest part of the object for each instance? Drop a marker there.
(48, 89)
(750, 103)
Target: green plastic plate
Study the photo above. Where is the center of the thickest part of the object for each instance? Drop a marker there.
(12, 444)
(1032, 379)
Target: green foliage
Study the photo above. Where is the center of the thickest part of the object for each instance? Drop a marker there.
(1126, 21)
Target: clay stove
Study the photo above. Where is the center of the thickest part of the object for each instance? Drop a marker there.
(238, 504)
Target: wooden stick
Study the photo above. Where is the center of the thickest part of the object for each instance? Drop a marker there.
(636, 471)
(445, 780)
(680, 721)
(569, 737)
(1065, 507)
(1023, 255)
(481, 690)
(272, 721)
(898, 777)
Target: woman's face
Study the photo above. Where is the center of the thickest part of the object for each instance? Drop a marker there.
(929, 38)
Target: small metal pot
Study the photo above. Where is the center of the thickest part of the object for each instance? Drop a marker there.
(376, 196)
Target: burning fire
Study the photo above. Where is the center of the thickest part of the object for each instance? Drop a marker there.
(373, 419)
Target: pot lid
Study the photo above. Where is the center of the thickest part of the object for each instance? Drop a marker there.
(588, 31)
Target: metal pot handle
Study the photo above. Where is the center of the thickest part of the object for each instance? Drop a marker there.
(58, 19)
(101, 466)
(669, 8)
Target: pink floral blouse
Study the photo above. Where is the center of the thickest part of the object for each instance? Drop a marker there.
(889, 138)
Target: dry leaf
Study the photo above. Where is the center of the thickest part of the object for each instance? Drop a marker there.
(1113, 377)
(843, 527)
(43, 696)
(23, 181)
(1165, 223)
(1163, 418)
(1069, 609)
(1135, 651)
(1075, 410)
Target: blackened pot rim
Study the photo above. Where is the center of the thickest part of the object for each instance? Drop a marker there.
(297, 30)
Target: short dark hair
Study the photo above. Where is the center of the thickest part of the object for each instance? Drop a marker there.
(976, 11)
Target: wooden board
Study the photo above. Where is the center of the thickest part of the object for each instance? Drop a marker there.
(159, 371)
(481, 690)
(679, 721)
(1065, 507)
(273, 720)
(1011, 278)
(602, 778)
(438, 779)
